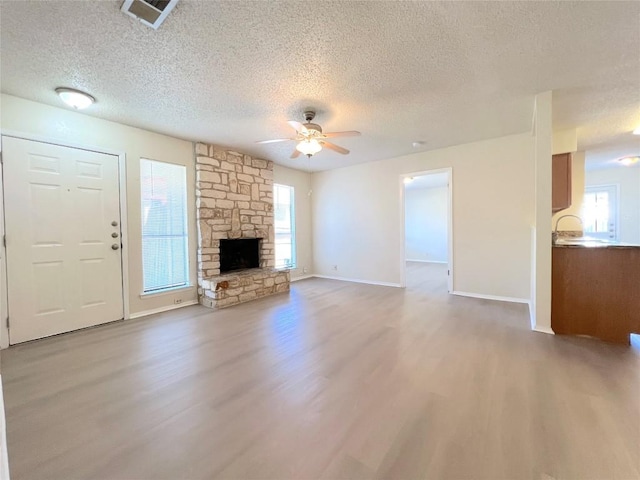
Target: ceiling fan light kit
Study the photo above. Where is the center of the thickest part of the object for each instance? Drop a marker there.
(309, 147)
(311, 138)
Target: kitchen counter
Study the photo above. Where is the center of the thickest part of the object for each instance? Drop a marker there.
(595, 245)
(586, 242)
(596, 290)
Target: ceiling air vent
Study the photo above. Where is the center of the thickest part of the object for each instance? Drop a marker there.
(150, 12)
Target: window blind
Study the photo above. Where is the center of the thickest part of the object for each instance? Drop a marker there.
(284, 225)
(165, 258)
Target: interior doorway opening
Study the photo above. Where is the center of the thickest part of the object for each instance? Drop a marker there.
(426, 228)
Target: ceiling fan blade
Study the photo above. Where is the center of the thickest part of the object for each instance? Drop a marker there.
(295, 154)
(276, 140)
(350, 133)
(334, 147)
(298, 126)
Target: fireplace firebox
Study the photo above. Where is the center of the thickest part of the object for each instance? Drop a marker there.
(239, 254)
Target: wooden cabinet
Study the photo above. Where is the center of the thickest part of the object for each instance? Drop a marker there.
(561, 182)
(596, 292)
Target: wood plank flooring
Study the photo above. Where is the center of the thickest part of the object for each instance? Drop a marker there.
(334, 381)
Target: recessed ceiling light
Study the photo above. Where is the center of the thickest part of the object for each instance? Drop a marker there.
(629, 160)
(75, 98)
(636, 131)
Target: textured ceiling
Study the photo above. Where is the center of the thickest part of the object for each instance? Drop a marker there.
(234, 72)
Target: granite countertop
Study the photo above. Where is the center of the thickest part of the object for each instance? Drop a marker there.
(587, 242)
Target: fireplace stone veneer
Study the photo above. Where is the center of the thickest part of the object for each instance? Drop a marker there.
(234, 199)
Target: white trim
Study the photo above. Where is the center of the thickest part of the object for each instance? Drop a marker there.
(60, 142)
(532, 303)
(124, 232)
(124, 238)
(403, 260)
(424, 261)
(491, 297)
(4, 457)
(4, 291)
(546, 330)
(166, 291)
(302, 277)
(162, 309)
(354, 280)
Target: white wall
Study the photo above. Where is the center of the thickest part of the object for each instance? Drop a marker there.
(301, 182)
(564, 141)
(356, 216)
(58, 124)
(541, 234)
(426, 224)
(628, 181)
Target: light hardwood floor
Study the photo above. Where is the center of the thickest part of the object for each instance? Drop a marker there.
(334, 381)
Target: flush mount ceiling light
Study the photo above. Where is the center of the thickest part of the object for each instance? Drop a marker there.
(75, 98)
(309, 147)
(627, 161)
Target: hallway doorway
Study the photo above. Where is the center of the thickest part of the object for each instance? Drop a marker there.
(426, 228)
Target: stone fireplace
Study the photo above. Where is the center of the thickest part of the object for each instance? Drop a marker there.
(234, 195)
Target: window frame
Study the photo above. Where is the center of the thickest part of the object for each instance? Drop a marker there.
(292, 215)
(614, 190)
(187, 267)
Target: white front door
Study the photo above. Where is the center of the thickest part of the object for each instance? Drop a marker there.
(62, 218)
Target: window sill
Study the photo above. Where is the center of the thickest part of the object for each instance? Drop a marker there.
(166, 291)
(286, 267)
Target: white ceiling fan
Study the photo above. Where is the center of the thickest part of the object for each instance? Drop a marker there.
(311, 139)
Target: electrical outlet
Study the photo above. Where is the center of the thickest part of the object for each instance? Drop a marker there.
(304, 269)
(177, 301)
(334, 267)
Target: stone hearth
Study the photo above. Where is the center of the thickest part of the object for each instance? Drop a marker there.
(234, 200)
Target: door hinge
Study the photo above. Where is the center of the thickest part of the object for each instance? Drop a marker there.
(448, 272)
(8, 323)
(4, 241)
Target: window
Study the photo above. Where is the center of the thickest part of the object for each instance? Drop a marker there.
(284, 224)
(165, 258)
(600, 211)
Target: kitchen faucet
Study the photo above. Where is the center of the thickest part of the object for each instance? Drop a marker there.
(554, 235)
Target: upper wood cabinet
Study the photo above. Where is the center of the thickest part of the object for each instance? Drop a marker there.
(561, 182)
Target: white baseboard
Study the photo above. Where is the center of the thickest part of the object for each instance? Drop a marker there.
(302, 277)
(354, 280)
(492, 297)
(424, 261)
(163, 309)
(4, 458)
(544, 330)
(532, 315)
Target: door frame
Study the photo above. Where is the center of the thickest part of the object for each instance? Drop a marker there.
(616, 187)
(403, 262)
(122, 188)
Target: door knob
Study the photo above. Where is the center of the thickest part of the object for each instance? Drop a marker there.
(115, 246)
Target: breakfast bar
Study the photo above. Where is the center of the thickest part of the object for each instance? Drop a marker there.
(596, 290)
